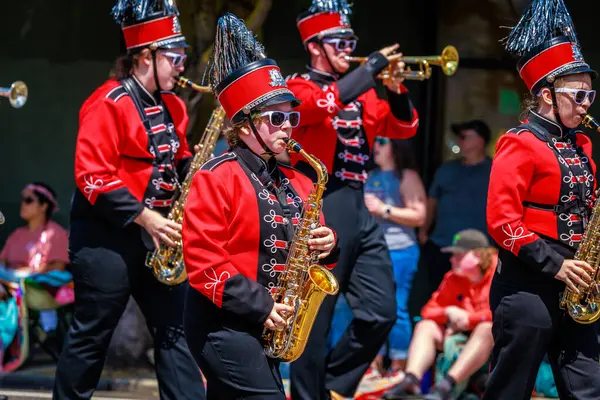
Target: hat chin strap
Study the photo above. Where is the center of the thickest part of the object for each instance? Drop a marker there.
(555, 107)
(158, 88)
(258, 138)
(327, 58)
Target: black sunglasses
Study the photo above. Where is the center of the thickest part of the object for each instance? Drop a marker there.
(27, 200)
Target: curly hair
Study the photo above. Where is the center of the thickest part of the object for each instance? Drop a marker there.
(531, 102)
(232, 132)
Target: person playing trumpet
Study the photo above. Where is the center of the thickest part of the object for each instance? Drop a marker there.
(341, 116)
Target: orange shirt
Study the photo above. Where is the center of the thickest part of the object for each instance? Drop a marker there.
(457, 291)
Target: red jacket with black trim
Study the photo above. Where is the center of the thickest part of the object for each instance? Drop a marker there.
(119, 169)
(340, 119)
(541, 190)
(236, 235)
(458, 291)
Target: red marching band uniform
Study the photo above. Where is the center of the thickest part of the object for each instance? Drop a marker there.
(119, 166)
(130, 154)
(240, 216)
(342, 116)
(540, 195)
(543, 178)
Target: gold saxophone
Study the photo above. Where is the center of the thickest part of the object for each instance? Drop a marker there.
(303, 284)
(584, 307)
(165, 261)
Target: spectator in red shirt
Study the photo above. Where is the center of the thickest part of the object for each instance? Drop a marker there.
(460, 304)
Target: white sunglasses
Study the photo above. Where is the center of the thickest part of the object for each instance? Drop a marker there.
(341, 44)
(176, 59)
(278, 118)
(579, 95)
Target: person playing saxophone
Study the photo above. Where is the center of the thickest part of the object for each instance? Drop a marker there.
(239, 219)
(541, 187)
(131, 150)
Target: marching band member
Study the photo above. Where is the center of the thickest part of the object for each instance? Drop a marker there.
(240, 217)
(541, 189)
(131, 149)
(341, 116)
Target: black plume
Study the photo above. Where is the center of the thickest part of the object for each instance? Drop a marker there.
(130, 11)
(340, 6)
(540, 22)
(235, 47)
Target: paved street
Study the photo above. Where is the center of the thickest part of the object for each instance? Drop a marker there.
(35, 394)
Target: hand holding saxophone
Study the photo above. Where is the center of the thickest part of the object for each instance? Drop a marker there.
(323, 240)
(575, 272)
(278, 318)
(159, 227)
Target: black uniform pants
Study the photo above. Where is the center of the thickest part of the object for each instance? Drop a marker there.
(529, 324)
(230, 353)
(366, 278)
(108, 267)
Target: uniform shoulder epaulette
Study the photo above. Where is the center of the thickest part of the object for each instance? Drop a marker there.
(116, 93)
(216, 161)
(518, 130)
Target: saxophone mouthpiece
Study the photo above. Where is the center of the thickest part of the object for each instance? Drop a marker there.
(292, 145)
(589, 122)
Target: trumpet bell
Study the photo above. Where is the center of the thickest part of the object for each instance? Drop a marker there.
(17, 94)
(449, 60)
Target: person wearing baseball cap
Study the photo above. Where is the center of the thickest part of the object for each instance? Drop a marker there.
(459, 305)
(476, 126)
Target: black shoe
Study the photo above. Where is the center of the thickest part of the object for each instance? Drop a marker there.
(437, 394)
(404, 390)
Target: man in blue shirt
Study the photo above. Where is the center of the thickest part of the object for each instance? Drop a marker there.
(456, 201)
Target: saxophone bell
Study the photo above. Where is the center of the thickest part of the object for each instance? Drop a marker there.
(583, 306)
(303, 284)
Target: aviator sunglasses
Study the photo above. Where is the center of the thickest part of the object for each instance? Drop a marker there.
(579, 95)
(341, 44)
(176, 59)
(278, 118)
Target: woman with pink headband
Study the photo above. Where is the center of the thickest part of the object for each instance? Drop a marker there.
(32, 272)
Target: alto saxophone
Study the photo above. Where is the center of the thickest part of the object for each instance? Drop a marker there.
(584, 307)
(165, 261)
(303, 284)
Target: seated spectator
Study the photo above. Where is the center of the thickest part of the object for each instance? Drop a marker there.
(460, 305)
(32, 271)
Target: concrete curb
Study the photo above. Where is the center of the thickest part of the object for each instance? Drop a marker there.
(18, 380)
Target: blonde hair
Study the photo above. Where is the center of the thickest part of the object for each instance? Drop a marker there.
(485, 255)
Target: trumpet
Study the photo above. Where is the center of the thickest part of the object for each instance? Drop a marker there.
(447, 61)
(590, 122)
(16, 94)
(186, 83)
